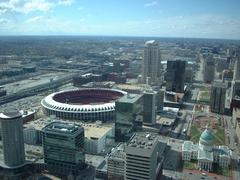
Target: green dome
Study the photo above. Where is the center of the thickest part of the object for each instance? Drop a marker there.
(207, 136)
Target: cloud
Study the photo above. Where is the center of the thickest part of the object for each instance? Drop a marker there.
(27, 6)
(3, 21)
(34, 19)
(65, 2)
(201, 26)
(36, 5)
(153, 3)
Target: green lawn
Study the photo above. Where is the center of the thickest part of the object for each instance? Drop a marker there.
(195, 134)
(225, 172)
(191, 165)
(219, 137)
(194, 130)
(204, 96)
(221, 171)
(205, 88)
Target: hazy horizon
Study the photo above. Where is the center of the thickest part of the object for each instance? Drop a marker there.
(116, 36)
(148, 18)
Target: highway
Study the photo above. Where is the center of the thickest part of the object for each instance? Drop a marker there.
(40, 88)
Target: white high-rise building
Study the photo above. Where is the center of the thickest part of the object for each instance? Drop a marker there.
(151, 67)
(12, 138)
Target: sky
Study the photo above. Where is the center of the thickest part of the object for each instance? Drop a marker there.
(160, 18)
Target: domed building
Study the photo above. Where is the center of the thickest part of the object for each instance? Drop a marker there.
(205, 152)
(206, 139)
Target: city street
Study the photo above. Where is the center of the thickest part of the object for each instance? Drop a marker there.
(231, 134)
(197, 175)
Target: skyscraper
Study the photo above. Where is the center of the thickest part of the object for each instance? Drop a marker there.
(12, 138)
(237, 69)
(235, 89)
(217, 98)
(159, 97)
(142, 154)
(209, 69)
(127, 109)
(63, 145)
(149, 110)
(175, 76)
(151, 67)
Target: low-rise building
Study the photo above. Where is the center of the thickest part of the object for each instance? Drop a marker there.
(32, 131)
(28, 115)
(133, 88)
(205, 153)
(168, 116)
(96, 137)
(189, 151)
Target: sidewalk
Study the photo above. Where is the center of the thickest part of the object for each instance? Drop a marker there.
(220, 177)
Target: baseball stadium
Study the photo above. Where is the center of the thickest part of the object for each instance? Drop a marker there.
(89, 104)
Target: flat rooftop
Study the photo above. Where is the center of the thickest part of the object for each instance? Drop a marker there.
(10, 114)
(189, 146)
(130, 98)
(219, 84)
(129, 86)
(151, 42)
(38, 124)
(62, 127)
(143, 140)
(96, 131)
(118, 152)
(165, 121)
(133, 86)
(150, 92)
